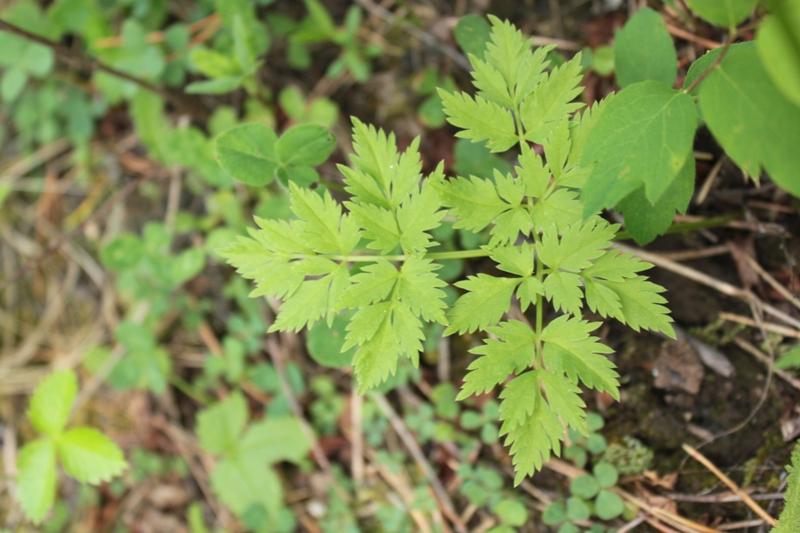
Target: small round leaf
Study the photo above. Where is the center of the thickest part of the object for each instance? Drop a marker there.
(606, 475)
(325, 343)
(608, 505)
(306, 145)
(554, 514)
(596, 443)
(512, 512)
(585, 486)
(577, 509)
(247, 153)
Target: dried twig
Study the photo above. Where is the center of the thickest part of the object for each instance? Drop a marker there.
(415, 451)
(730, 484)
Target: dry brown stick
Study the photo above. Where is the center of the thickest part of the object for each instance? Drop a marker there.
(415, 32)
(764, 358)
(403, 490)
(723, 498)
(745, 524)
(562, 44)
(783, 291)
(37, 158)
(57, 243)
(689, 36)
(416, 453)
(705, 279)
(689, 255)
(570, 471)
(706, 188)
(156, 36)
(769, 326)
(730, 484)
(182, 101)
(275, 352)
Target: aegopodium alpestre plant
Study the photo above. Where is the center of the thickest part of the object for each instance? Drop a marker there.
(543, 246)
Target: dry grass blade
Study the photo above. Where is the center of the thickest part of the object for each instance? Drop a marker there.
(730, 484)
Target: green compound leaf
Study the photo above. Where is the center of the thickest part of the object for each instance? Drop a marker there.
(89, 456)
(577, 246)
(564, 398)
(778, 44)
(645, 221)
(380, 175)
(570, 349)
(419, 289)
(512, 352)
(376, 358)
(36, 478)
(484, 305)
(506, 53)
(641, 304)
(474, 202)
(535, 438)
(316, 298)
(322, 225)
(380, 226)
(373, 284)
(417, 216)
(616, 266)
(560, 209)
(564, 290)
(725, 13)
(643, 50)
(52, 401)
(544, 110)
(247, 153)
(480, 120)
(517, 260)
(307, 145)
(790, 516)
(266, 257)
(752, 119)
(643, 136)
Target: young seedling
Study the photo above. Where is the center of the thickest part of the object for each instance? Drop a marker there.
(375, 259)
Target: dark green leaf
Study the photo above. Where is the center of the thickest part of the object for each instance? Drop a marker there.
(643, 136)
(247, 153)
(643, 50)
(306, 145)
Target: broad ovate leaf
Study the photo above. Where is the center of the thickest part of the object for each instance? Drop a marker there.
(752, 119)
(36, 478)
(52, 401)
(778, 43)
(725, 13)
(645, 221)
(89, 456)
(305, 145)
(643, 50)
(642, 137)
(219, 427)
(247, 152)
